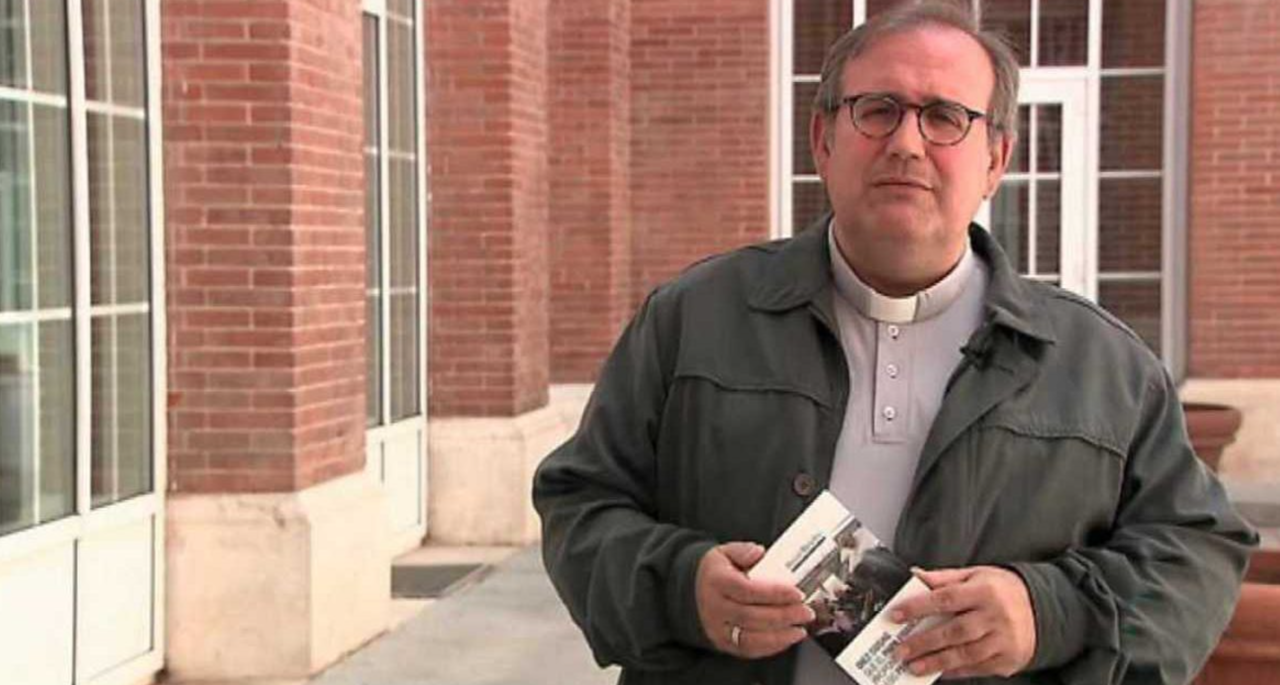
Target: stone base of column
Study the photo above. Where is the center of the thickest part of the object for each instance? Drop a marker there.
(1254, 456)
(481, 470)
(272, 588)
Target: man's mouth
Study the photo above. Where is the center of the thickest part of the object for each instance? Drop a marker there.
(895, 181)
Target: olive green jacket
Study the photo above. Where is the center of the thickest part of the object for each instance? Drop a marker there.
(1059, 451)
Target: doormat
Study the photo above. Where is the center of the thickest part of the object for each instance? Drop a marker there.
(437, 580)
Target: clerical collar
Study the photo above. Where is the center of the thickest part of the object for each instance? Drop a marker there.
(879, 307)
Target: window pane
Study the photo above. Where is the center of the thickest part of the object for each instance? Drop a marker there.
(1064, 32)
(400, 91)
(1048, 226)
(121, 396)
(808, 203)
(57, 417)
(404, 356)
(15, 206)
(117, 209)
(13, 43)
(403, 8)
(373, 361)
(113, 51)
(1129, 224)
(17, 425)
(802, 160)
(48, 45)
(1009, 211)
(818, 23)
(403, 225)
(1048, 138)
(372, 218)
(1021, 159)
(875, 7)
(1133, 33)
(1012, 19)
(53, 206)
(1132, 122)
(1137, 304)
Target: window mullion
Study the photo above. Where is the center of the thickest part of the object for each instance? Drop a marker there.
(80, 254)
(384, 221)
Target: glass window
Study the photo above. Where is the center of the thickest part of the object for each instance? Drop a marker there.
(119, 251)
(394, 302)
(37, 458)
(372, 220)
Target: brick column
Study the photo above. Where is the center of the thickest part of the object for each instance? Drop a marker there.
(487, 142)
(1235, 190)
(264, 205)
(700, 117)
(589, 47)
(264, 194)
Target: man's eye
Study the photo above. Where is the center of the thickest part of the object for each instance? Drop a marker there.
(946, 117)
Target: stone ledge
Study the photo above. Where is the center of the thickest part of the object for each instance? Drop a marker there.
(274, 587)
(481, 470)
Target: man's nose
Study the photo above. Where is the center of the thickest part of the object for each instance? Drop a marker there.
(906, 141)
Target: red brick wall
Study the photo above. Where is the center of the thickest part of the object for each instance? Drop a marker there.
(1235, 190)
(590, 106)
(700, 132)
(265, 253)
(487, 139)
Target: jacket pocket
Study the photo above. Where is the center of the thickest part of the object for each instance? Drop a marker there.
(732, 453)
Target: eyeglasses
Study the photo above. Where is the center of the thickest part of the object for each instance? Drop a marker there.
(941, 122)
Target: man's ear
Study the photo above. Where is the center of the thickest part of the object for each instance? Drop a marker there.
(1001, 150)
(820, 142)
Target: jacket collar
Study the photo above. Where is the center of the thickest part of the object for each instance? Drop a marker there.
(800, 271)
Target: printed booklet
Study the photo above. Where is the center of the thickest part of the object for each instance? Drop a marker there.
(850, 581)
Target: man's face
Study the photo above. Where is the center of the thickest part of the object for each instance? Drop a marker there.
(903, 205)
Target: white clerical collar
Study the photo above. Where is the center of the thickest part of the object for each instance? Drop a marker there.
(879, 307)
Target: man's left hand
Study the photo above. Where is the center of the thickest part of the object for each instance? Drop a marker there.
(988, 629)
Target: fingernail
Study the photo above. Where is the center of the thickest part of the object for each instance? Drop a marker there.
(917, 668)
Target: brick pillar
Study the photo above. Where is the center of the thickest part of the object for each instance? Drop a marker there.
(487, 127)
(589, 47)
(700, 116)
(1235, 211)
(263, 191)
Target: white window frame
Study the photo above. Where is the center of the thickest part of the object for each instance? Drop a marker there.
(1174, 170)
(413, 428)
(85, 521)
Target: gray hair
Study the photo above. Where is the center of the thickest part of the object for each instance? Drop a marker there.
(1002, 111)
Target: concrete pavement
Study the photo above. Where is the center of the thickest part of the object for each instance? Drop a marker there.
(509, 628)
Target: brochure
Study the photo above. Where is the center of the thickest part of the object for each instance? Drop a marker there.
(851, 581)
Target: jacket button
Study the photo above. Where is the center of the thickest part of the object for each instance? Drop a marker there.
(804, 485)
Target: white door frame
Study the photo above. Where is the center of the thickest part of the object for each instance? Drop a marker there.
(64, 559)
(1078, 237)
(396, 453)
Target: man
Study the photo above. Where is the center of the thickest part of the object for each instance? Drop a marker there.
(1013, 437)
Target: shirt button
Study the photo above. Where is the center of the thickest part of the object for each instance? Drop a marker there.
(892, 370)
(893, 331)
(804, 485)
(890, 413)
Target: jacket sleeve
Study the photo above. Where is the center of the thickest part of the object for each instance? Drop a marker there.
(627, 578)
(1148, 604)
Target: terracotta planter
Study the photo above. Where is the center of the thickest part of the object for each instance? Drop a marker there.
(1249, 653)
(1212, 427)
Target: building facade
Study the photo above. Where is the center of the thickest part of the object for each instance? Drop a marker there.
(289, 286)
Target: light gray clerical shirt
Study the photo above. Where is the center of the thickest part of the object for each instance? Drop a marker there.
(900, 352)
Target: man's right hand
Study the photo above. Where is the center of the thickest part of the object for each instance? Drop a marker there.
(767, 614)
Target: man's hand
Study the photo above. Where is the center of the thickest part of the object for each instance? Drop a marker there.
(989, 629)
(763, 616)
